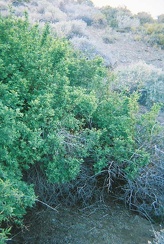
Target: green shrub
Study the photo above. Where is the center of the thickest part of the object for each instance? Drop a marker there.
(154, 34)
(44, 107)
(57, 110)
(110, 14)
(161, 18)
(15, 197)
(144, 18)
(117, 117)
(120, 18)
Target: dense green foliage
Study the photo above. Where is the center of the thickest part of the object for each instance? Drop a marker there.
(56, 110)
(44, 109)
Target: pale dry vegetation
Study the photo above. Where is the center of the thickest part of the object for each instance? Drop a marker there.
(144, 78)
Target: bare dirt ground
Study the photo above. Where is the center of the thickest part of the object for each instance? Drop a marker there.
(125, 49)
(105, 223)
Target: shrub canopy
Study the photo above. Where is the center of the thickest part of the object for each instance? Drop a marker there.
(57, 110)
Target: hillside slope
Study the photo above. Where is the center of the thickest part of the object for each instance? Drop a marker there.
(89, 30)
